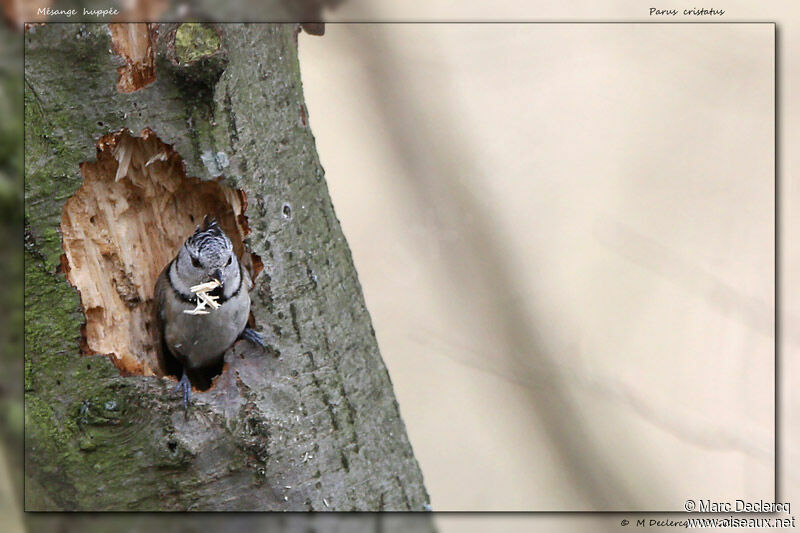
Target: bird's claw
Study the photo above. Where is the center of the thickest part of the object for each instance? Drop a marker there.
(185, 385)
(253, 336)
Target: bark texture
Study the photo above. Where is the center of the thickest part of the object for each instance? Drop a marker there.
(310, 425)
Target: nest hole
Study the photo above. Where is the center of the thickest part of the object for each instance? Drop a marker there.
(125, 223)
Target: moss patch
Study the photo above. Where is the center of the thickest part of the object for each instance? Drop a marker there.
(194, 41)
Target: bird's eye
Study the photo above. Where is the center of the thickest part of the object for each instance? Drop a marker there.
(230, 260)
(195, 262)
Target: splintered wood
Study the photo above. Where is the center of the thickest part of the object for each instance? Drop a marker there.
(136, 43)
(120, 229)
(204, 298)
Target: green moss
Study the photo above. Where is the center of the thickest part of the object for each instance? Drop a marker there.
(51, 246)
(52, 175)
(52, 311)
(33, 112)
(194, 41)
(63, 430)
(29, 374)
(46, 428)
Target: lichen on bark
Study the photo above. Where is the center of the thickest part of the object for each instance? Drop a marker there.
(194, 41)
(312, 424)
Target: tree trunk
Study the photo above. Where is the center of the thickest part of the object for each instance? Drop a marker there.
(311, 423)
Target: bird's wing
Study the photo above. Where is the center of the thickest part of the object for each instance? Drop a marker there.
(160, 292)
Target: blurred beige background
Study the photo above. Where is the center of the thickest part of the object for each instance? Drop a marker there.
(564, 233)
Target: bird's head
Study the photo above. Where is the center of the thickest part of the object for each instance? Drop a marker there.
(207, 254)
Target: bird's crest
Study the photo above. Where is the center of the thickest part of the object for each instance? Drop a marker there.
(208, 235)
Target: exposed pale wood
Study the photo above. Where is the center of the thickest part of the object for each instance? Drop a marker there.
(136, 43)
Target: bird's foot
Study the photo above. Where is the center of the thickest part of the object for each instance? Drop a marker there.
(185, 385)
(253, 336)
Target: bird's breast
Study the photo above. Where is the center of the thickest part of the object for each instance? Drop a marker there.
(200, 340)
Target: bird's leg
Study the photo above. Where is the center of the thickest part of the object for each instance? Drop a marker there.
(252, 335)
(185, 385)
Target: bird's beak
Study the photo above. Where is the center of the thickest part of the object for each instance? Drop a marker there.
(218, 276)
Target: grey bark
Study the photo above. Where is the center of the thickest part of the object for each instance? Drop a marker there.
(315, 428)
